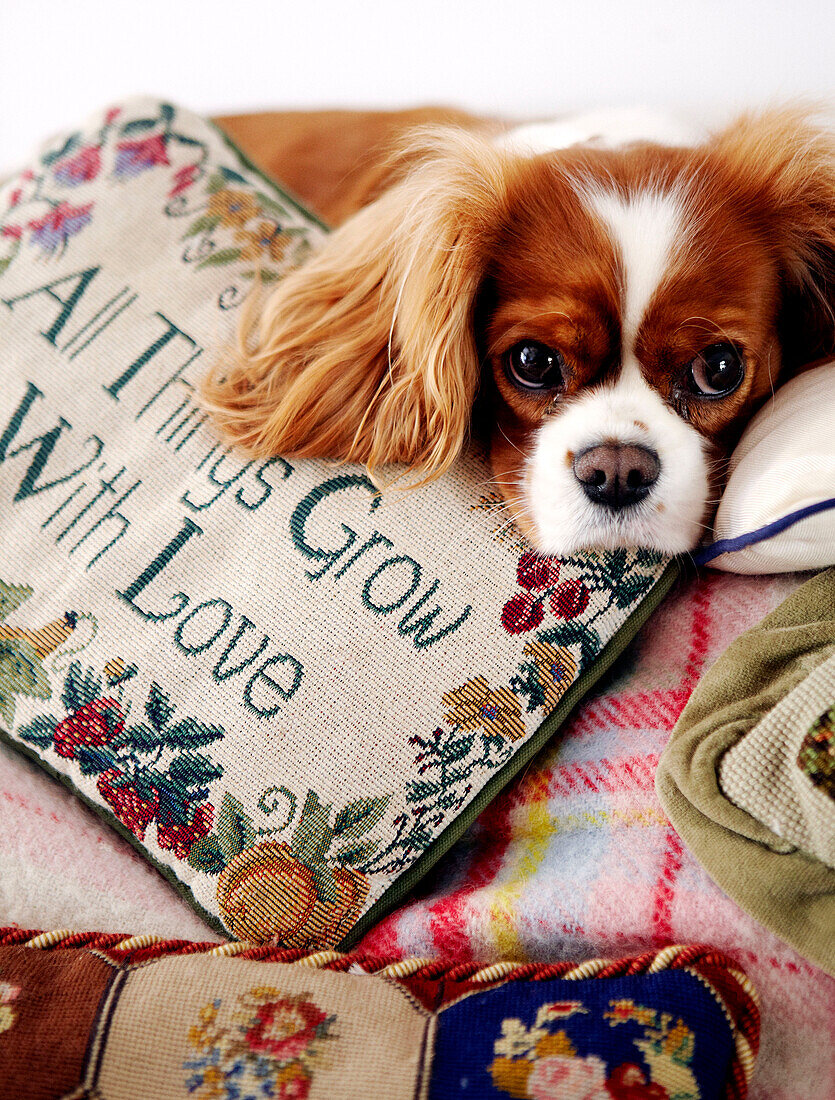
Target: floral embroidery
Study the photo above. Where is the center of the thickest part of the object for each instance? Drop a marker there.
(54, 229)
(306, 892)
(232, 207)
(155, 769)
(816, 757)
(267, 240)
(539, 579)
(557, 1077)
(449, 758)
(267, 1043)
(264, 232)
(8, 995)
(616, 577)
(80, 168)
(226, 231)
(476, 706)
(621, 1012)
(556, 670)
(133, 157)
(147, 771)
(539, 1063)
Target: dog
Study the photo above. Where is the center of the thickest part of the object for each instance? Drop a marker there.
(609, 298)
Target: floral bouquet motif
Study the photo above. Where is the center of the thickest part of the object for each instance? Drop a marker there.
(265, 1044)
(541, 1063)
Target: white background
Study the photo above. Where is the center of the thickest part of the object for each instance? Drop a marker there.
(64, 58)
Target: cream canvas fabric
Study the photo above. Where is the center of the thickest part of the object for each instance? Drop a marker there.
(290, 693)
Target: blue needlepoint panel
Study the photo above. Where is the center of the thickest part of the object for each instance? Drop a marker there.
(648, 1037)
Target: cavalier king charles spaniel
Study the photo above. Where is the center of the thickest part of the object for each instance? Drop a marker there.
(607, 298)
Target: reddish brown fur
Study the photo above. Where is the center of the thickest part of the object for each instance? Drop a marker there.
(373, 350)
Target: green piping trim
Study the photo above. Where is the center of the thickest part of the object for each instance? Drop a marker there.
(456, 828)
(110, 819)
(250, 166)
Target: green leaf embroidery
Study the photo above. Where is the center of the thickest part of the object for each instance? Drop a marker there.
(224, 256)
(11, 597)
(264, 274)
(94, 761)
(360, 816)
(357, 853)
(21, 673)
(632, 589)
(69, 145)
(215, 183)
(269, 204)
(205, 222)
(40, 731)
(206, 855)
(615, 564)
(420, 790)
(191, 734)
(234, 827)
(458, 749)
(145, 782)
(141, 738)
(573, 632)
(233, 177)
(193, 769)
(139, 124)
(313, 833)
(80, 688)
(324, 883)
(159, 708)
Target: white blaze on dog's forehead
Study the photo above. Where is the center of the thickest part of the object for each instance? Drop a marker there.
(646, 228)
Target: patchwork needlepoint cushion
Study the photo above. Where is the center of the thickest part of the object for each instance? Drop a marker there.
(127, 1018)
(288, 692)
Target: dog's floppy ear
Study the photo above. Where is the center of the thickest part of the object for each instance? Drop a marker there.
(367, 352)
(785, 161)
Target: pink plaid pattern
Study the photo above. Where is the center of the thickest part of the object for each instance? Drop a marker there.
(575, 859)
(578, 859)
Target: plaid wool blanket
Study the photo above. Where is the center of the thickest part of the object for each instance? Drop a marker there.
(575, 859)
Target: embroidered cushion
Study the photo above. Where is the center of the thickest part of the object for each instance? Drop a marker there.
(291, 694)
(180, 1019)
(776, 513)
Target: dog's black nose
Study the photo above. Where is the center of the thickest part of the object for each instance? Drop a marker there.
(617, 474)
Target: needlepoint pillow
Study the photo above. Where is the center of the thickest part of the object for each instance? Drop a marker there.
(290, 693)
(178, 1019)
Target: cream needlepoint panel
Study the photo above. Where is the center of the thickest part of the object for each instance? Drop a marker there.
(287, 691)
(189, 1027)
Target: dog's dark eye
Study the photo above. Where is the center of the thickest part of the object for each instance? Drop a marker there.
(533, 366)
(716, 371)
